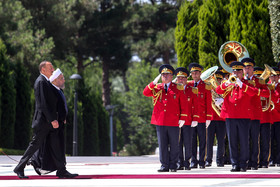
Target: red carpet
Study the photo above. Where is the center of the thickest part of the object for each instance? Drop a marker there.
(151, 176)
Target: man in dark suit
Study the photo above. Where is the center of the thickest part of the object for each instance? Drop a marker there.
(51, 155)
(45, 116)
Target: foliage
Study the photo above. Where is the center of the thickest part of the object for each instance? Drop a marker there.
(187, 33)
(250, 25)
(23, 107)
(142, 134)
(8, 100)
(212, 18)
(274, 10)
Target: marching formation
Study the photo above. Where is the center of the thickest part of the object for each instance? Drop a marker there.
(238, 103)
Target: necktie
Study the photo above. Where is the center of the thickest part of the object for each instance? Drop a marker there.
(195, 84)
(165, 87)
(64, 100)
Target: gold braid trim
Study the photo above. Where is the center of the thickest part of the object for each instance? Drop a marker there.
(150, 87)
(259, 92)
(183, 115)
(228, 90)
(246, 88)
(156, 96)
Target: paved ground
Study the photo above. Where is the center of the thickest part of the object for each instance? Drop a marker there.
(131, 165)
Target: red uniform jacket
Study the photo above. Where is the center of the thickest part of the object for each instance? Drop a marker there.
(189, 97)
(237, 102)
(202, 102)
(275, 114)
(256, 106)
(168, 107)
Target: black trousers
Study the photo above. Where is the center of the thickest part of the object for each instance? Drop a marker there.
(254, 136)
(218, 128)
(168, 140)
(238, 134)
(185, 144)
(51, 155)
(200, 132)
(264, 144)
(39, 135)
(275, 143)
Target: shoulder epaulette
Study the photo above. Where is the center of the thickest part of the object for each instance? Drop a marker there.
(261, 81)
(195, 90)
(156, 86)
(180, 86)
(252, 82)
(208, 86)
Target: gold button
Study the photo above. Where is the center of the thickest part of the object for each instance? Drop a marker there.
(166, 94)
(164, 110)
(235, 93)
(164, 104)
(235, 104)
(165, 99)
(235, 99)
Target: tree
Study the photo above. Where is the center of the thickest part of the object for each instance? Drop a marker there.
(151, 25)
(187, 33)
(142, 134)
(212, 19)
(274, 11)
(8, 100)
(23, 107)
(250, 25)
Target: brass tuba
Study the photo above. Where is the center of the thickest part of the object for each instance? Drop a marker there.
(208, 76)
(267, 72)
(231, 51)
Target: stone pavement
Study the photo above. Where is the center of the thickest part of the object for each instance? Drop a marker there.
(140, 165)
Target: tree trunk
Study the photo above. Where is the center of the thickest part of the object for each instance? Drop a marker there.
(105, 83)
(166, 57)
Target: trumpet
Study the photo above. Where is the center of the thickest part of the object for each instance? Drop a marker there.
(232, 79)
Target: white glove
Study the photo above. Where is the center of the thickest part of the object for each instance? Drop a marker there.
(174, 80)
(181, 123)
(157, 79)
(239, 83)
(194, 124)
(207, 123)
(219, 101)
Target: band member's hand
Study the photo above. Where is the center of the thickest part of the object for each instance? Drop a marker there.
(157, 79)
(239, 83)
(55, 124)
(181, 123)
(174, 80)
(219, 101)
(194, 124)
(207, 123)
(64, 121)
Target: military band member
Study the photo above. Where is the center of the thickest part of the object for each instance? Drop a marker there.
(256, 110)
(236, 111)
(182, 75)
(169, 112)
(275, 120)
(264, 127)
(218, 127)
(202, 104)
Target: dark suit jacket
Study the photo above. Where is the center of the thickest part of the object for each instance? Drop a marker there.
(45, 104)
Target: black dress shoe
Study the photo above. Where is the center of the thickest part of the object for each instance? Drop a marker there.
(37, 169)
(243, 169)
(66, 174)
(220, 165)
(193, 165)
(162, 169)
(271, 164)
(254, 168)
(180, 168)
(264, 166)
(188, 168)
(202, 167)
(208, 164)
(235, 169)
(20, 174)
(173, 170)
